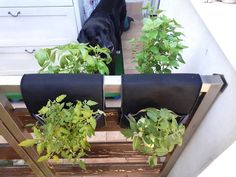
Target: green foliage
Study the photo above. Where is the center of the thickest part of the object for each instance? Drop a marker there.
(65, 132)
(74, 58)
(156, 133)
(160, 43)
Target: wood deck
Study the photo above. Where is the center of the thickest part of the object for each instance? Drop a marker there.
(134, 11)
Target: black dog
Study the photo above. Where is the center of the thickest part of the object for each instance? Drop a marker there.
(105, 26)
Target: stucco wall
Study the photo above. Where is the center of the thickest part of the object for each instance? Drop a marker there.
(218, 130)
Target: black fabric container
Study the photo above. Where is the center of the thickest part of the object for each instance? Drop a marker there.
(177, 92)
(37, 89)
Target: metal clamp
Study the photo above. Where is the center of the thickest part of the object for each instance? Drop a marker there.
(16, 15)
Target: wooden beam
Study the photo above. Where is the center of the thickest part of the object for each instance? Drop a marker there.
(13, 132)
(20, 151)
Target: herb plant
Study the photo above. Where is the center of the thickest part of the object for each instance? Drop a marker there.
(158, 49)
(156, 133)
(67, 127)
(74, 58)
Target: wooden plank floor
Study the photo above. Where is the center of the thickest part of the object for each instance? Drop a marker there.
(134, 11)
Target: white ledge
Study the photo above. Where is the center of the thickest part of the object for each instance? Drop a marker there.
(220, 21)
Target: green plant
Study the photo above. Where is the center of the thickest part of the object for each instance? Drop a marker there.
(65, 132)
(158, 49)
(156, 132)
(73, 58)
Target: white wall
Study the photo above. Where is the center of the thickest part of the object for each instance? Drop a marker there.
(218, 130)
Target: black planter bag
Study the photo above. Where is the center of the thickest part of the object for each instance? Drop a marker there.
(37, 89)
(177, 92)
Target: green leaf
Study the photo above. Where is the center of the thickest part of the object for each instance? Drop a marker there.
(91, 103)
(102, 68)
(161, 151)
(91, 61)
(132, 123)
(137, 143)
(56, 158)
(37, 133)
(164, 124)
(152, 161)
(41, 55)
(40, 148)
(166, 71)
(128, 133)
(63, 130)
(43, 158)
(82, 165)
(93, 123)
(43, 110)
(152, 114)
(60, 98)
(28, 142)
(63, 62)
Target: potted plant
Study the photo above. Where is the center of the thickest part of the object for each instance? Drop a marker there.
(154, 132)
(65, 132)
(74, 58)
(158, 49)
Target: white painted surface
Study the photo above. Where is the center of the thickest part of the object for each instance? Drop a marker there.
(220, 20)
(204, 56)
(16, 61)
(224, 165)
(33, 3)
(39, 24)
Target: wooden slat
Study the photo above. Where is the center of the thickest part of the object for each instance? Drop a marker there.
(11, 130)
(8, 153)
(98, 150)
(138, 170)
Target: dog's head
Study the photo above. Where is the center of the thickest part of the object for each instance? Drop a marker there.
(98, 32)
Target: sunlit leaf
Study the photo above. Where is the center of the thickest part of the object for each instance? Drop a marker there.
(28, 142)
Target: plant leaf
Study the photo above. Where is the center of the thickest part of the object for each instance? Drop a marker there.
(60, 98)
(43, 158)
(137, 143)
(91, 103)
(82, 165)
(152, 161)
(40, 148)
(93, 123)
(41, 55)
(128, 133)
(28, 142)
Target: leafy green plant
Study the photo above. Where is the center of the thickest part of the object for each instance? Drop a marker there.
(67, 127)
(158, 49)
(156, 132)
(74, 58)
